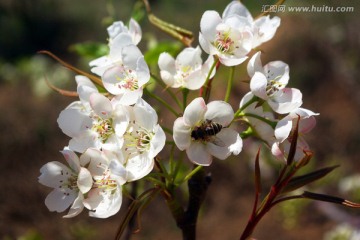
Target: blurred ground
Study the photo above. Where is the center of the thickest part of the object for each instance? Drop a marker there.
(322, 50)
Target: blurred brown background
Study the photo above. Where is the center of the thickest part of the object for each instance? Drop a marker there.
(321, 48)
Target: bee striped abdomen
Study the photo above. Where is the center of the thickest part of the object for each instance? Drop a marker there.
(206, 130)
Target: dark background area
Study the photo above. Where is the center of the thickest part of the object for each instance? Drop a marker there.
(322, 50)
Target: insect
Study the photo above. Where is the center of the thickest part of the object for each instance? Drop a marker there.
(207, 131)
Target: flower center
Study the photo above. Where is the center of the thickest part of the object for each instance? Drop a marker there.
(103, 127)
(105, 182)
(182, 73)
(137, 140)
(273, 85)
(223, 42)
(70, 182)
(127, 79)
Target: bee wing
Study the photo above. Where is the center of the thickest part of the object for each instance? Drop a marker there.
(218, 142)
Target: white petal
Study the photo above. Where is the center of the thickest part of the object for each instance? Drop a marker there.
(277, 70)
(204, 43)
(116, 28)
(118, 171)
(111, 79)
(307, 124)
(130, 56)
(145, 116)
(237, 8)
(142, 72)
(101, 105)
(181, 134)
(76, 208)
(167, 62)
(220, 112)
(72, 159)
(135, 31)
(84, 181)
(232, 143)
(198, 154)
(120, 120)
(84, 140)
(195, 80)
(96, 160)
(119, 42)
(258, 85)
(84, 88)
(100, 65)
(54, 174)
(60, 199)
(139, 166)
(157, 142)
(208, 23)
(195, 112)
(283, 129)
(231, 60)
(129, 97)
(189, 57)
(94, 197)
(168, 78)
(265, 29)
(109, 206)
(254, 64)
(73, 121)
(286, 100)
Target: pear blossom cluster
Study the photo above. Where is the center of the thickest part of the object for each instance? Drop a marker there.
(115, 136)
(113, 140)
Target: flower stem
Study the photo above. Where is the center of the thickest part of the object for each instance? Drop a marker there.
(251, 101)
(230, 83)
(205, 90)
(195, 170)
(271, 123)
(163, 102)
(185, 93)
(167, 89)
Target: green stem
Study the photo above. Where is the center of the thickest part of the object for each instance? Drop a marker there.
(185, 93)
(251, 101)
(271, 123)
(163, 102)
(195, 170)
(205, 91)
(229, 84)
(166, 88)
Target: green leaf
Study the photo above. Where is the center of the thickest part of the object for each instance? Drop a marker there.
(152, 55)
(90, 50)
(300, 181)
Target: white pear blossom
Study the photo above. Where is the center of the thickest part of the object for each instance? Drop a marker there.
(124, 71)
(263, 28)
(268, 83)
(203, 132)
(94, 121)
(187, 70)
(134, 30)
(307, 122)
(105, 197)
(143, 140)
(126, 80)
(229, 37)
(69, 183)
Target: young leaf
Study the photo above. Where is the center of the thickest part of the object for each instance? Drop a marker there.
(300, 181)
